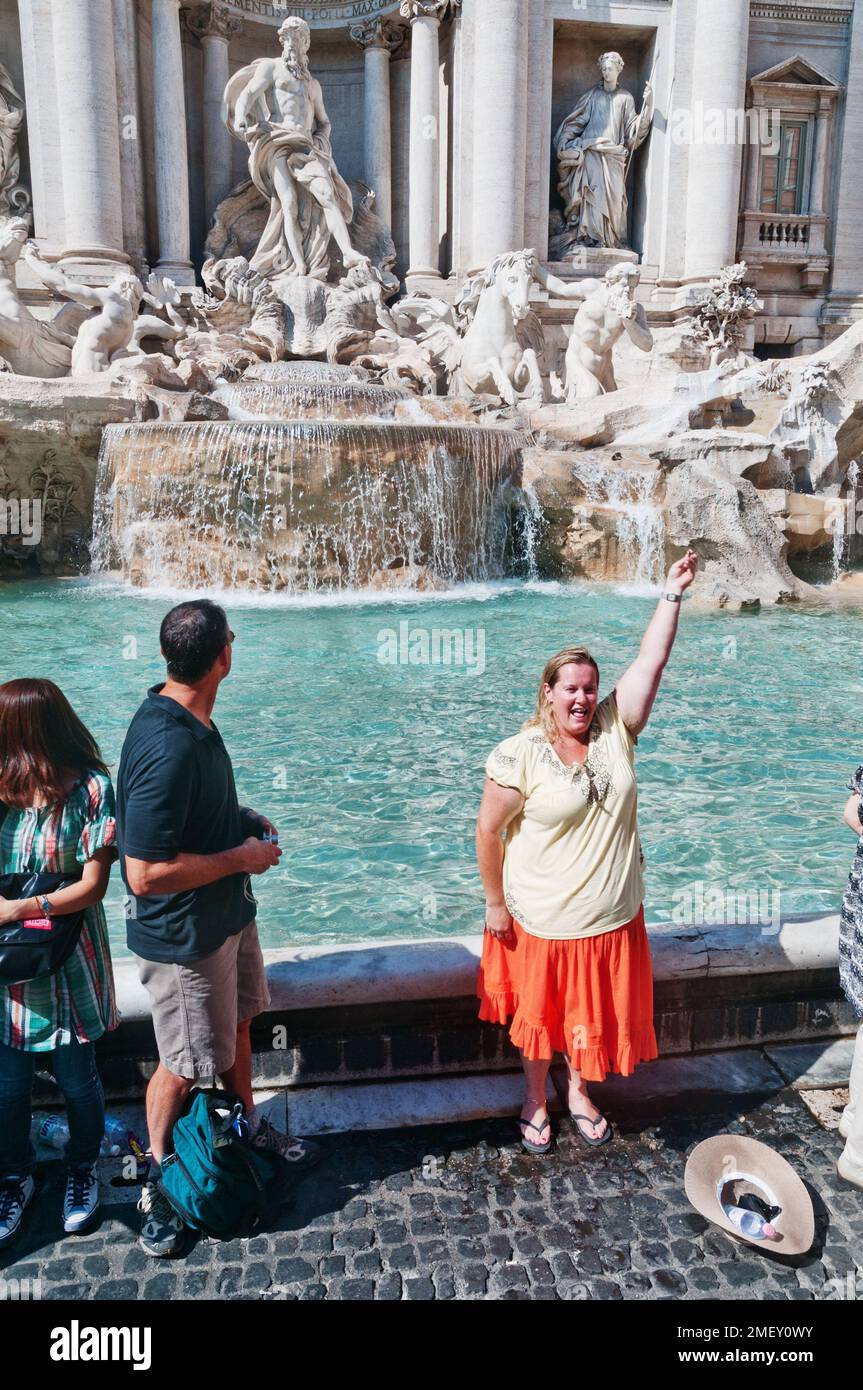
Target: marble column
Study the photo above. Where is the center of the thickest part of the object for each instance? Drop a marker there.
(83, 42)
(215, 25)
(501, 30)
(846, 299)
(170, 145)
(378, 38)
(718, 84)
(818, 186)
(131, 142)
(43, 125)
(425, 17)
(752, 198)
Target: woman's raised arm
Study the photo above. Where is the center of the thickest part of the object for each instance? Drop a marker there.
(637, 687)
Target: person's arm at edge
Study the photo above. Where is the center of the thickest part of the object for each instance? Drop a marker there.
(155, 878)
(89, 890)
(499, 806)
(850, 815)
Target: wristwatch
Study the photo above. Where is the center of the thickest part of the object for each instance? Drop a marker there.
(44, 904)
(672, 598)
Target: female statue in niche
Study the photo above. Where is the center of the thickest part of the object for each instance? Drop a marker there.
(594, 145)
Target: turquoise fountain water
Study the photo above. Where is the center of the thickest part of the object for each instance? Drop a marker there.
(373, 771)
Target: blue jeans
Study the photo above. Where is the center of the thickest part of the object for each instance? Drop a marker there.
(74, 1069)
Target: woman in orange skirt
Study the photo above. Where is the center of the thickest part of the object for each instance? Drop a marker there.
(566, 954)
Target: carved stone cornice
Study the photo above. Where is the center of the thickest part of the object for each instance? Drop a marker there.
(412, 10)
(213, 21)
(800, 13)
(379, 33)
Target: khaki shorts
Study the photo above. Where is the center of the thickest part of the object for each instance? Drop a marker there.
(198, 1004)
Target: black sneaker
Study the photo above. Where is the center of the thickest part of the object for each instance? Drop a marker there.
(81, 1200)
(15, 1196)
(299, 1154)
(162, 1230)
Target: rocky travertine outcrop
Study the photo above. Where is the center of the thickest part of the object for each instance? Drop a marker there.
(820, 428)
(50, 437)
(619, 515)
(743, 554)
(754, 469)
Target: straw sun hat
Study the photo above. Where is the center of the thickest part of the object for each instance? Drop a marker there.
(719, 1171)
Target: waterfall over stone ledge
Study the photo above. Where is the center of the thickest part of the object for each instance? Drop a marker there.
(290, 501)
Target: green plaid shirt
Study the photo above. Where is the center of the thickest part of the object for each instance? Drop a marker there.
(79, 1000)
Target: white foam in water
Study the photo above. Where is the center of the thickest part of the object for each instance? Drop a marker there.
(106, 583)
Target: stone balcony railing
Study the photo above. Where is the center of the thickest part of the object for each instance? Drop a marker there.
(798, 240)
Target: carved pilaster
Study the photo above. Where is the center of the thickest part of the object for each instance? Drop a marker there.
(214, 26)
(424, 9)
(378, 38)
(378, 33)
(213, 21)
(424, 17)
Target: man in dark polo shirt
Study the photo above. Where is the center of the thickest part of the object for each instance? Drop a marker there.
(187, 852)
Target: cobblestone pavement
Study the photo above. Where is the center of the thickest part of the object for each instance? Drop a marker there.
(457, 1212)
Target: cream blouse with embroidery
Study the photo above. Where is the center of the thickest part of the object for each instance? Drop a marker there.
(572, 859)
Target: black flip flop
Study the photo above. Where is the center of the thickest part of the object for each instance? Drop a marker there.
(594, 1143)
(559, 1081)
(536, 1148)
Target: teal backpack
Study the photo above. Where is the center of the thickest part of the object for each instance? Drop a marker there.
(215, 1179)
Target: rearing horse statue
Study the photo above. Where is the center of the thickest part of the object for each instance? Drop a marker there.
(490, 341)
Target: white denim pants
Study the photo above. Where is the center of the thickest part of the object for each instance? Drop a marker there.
(852, 1115)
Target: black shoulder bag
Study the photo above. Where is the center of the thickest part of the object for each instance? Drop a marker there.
(41, 945)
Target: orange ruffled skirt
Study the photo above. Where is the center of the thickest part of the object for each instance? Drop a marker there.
(591, 998)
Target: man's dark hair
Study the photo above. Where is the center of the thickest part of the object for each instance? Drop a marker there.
(191, 636)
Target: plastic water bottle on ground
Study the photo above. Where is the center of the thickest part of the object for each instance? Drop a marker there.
(750, 1224)
(116, 1140)
(54, 1132)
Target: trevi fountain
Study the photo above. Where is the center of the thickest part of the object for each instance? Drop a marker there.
(485, 352)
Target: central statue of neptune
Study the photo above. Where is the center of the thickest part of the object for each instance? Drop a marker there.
(277, 107)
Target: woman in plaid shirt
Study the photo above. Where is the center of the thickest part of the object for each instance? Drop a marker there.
(56, 816)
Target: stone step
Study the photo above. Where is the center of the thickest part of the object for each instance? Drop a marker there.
(709, 1078)
(813, 1065)
(401, 1104)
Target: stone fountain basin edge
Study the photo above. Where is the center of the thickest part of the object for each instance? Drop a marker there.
(403, 1009)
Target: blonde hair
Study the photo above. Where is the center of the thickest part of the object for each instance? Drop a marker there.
(544, 717)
